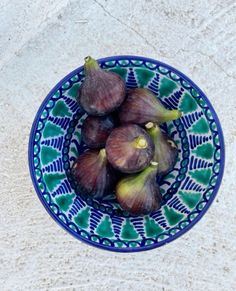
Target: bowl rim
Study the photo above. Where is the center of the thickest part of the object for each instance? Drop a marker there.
(90, 242)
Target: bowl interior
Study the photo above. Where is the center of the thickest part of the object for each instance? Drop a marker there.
(187, 190)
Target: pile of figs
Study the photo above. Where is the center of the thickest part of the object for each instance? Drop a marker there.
(127, 148)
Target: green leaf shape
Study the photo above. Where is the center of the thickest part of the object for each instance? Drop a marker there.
(61, 110)
(144, 76)
(120, 71)
(128, 231)
(73, 92)
(152, 229)
(201, 127)
(204, 151)
(167, 87)
(53, 180)
(64, 201)
(190, 199)
(82, 218)
(52, 130)
(172, 216)
(201, 176)
(48, 155)
(104, 229)
(188, 103)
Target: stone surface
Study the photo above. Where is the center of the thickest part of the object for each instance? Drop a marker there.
(40, 42)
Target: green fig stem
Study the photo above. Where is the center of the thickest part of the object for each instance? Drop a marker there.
(171, 115)
(102, 155)
(152, 168)
(149, 125)
(153, 130)
(154, 164)
(90, 64)
(140, 142)
(137, 180)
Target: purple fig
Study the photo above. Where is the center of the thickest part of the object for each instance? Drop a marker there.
(142, 106)
(129, 148)
(166, 151)
(138, 193)
(101, 92)
(93, 174)
(96, 129)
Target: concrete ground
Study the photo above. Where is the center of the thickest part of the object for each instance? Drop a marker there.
(40, 42)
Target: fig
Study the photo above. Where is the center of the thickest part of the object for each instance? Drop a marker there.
(138, 193)
(166, 151)
(142, 106)
(96, 129)
(93, 174)
(129, 148)
(101, 92)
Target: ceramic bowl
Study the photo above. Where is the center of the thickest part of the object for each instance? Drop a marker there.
(188, 190)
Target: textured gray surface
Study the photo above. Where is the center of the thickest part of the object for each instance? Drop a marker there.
(43, 40)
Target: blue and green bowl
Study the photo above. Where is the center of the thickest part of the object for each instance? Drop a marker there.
(188, 190)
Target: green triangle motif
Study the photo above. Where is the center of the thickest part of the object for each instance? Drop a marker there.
(61, 109)
(53, 180)
(201, 126)
(82, 218)
(167, 87)
(190, 199)
(51, 130)
(104, 229)
(172, 216)
(144, 76)
(152, 229)
(204, 151)
(128, 231)
(73, 92)
(188, 104)
(120, 71)
(201, 176)
(48, 155)
(64, 201)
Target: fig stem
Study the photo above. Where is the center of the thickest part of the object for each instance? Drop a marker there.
(102, 154)
(149, 125)
(153, 163)
(171, 115)
(139, 179)
(90, 63)
(152, 168)
(140, 142)
(154, 131)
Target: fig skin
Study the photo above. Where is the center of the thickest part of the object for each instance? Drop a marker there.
(93, 175)
(142, 106)
(129, 148)
(96, 129)
(138, 193)
(102, 92)
(166, 151)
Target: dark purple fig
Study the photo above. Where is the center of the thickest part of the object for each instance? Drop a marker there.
(142, 106)
(166, 150)
(96, 129)
(93, 174)
(101, 92)
(129, 148)
(139, 194)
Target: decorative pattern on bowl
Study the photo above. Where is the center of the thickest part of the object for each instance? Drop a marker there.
(188, 190)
